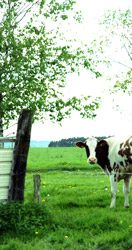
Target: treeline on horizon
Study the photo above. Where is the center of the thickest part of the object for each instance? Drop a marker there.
(70, 142)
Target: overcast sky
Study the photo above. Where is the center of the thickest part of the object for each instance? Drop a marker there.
(109, 121)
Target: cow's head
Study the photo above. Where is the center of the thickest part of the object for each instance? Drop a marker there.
(90, 145)
(94, 149)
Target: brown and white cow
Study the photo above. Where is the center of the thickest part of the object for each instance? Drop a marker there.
(114, 155)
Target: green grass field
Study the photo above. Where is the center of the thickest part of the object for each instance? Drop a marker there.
(58, 158)
(74, 213)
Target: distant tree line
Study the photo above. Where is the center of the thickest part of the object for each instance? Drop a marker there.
(70, 142)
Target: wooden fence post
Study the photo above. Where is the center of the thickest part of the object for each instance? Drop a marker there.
(16, 190)
(37, 182)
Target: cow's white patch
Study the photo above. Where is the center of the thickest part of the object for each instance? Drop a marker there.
(113, 190)
(114, 148)
(92, 144)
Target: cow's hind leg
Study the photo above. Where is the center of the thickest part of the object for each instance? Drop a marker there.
(126, 190)
(113, 181)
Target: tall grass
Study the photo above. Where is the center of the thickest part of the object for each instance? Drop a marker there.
(74, 211)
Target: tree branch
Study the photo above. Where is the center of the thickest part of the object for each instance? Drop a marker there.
(129, 40)
(22, 9)
(21, 12)
(25, 11)
(125, 45)
(120, 63)
(127, 51)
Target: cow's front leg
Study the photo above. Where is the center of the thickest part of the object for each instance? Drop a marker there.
(113, 181)
(126, 190)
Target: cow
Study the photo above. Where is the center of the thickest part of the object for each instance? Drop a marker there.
(114, 156)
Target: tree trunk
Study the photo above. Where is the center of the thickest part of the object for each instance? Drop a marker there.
(16, 191)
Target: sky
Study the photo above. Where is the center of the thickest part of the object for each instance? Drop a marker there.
(109, 120)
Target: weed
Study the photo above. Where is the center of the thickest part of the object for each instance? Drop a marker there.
(20, 219)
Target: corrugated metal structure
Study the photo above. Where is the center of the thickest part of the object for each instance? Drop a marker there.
(6, 156)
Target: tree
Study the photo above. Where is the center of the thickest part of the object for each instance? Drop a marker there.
(71, 142)
(116, 35)
(35, 60)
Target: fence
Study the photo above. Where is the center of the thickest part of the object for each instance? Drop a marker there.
(41, 184)
(6, 159)
(6, 156)
(55, 181)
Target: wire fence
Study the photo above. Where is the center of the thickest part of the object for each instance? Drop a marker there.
(78, 183)
(4, 129)
(77, 171)
(54, 187)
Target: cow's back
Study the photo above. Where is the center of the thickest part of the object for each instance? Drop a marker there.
(119, 148)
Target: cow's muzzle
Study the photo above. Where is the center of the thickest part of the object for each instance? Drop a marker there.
(92, 160)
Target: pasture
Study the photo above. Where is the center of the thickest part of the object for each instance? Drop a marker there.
(74, 211)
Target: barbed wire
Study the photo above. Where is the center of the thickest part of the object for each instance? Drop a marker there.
(75, 188)
(13, 133)
(2, 129)
(76, 172)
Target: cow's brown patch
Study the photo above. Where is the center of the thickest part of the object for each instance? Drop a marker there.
(83, 145)
(115, 178)
(121, 163)
(87, 151)
(102, 151)
(127, 143)
(125, 151)
(121, 145)
(115, 166)
(120, 152)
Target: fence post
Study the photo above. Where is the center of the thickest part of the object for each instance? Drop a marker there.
(37, 182)
(16, 190)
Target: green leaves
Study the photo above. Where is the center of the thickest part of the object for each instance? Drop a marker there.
(114, 44)
(35, 61)
(124, 83)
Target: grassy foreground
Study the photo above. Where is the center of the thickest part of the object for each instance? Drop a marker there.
(74, 213)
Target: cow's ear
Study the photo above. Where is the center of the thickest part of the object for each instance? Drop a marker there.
(102, 143)
(81, 144)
